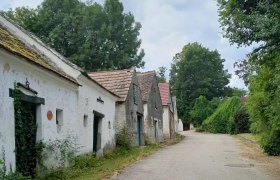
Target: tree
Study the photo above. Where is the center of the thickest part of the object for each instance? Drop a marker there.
(203, 108)
(25, 17)
(93, 36)
(246, 22)
(161, 74)
(197, 71)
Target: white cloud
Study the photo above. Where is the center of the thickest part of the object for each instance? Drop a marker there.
(29, 3)
(168, 25)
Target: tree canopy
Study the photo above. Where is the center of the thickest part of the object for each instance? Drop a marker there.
(93, 36)
(197, 71)
(258, 21)
(203, 108)
(248, 21)
(161, 74)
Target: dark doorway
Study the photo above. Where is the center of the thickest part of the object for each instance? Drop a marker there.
(139, 129)
(156, 133)
(186, 126)
(25, 137)
(96, 132)
(171, 125)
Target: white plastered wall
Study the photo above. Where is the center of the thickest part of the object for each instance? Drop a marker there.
(88, 95)
(166, 128)
(57, 92)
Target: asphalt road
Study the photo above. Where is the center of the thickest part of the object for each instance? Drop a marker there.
(197, 157)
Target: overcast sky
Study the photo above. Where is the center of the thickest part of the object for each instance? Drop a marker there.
(168, 25)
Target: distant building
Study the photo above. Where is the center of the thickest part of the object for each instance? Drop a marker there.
(129, 107)
(177, 121)
(153, 110)
(168, 111)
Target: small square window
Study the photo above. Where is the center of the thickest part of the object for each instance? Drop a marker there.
(85, 120)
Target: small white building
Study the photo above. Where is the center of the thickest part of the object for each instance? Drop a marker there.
(180, 126)
(178, 122)
(168, 111)
(61, 100)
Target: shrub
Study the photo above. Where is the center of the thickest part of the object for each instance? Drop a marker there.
(123, 138)
(56, 153)
(203, 108)
(241, 120)
(263, 103)
(221, 121)
(11, 175)
(199, 129)
(271, 143)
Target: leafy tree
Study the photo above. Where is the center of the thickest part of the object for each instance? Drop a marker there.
(161, 74)
(25, 17)
(246, 22)
(93, 36)
(229, 92)
(197, 71)
(203, 108)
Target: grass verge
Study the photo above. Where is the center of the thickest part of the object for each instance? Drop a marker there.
(92, 167)
(250, 149)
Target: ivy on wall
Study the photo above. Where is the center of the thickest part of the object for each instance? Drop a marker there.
(26, 150)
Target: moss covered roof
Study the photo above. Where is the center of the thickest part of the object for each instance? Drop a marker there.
(15, 46)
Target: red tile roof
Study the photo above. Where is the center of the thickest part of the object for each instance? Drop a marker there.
(145, 80)
(117, 81)
(164, 93)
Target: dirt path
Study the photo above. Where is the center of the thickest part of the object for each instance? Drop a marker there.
(251, 151)
(198, 156)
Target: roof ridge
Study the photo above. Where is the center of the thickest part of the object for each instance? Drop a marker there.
(146, 73)
(108, 71)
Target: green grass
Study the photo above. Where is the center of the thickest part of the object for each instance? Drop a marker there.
(250, 137)
(91, 167)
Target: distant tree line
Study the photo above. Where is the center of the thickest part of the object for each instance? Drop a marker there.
(198, 71)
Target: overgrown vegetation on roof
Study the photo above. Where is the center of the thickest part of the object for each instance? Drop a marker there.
(12, 44)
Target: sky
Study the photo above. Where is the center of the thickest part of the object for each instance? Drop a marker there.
(168, 25)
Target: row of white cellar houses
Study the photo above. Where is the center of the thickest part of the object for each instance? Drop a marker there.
(45, 99)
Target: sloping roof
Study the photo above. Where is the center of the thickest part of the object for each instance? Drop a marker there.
(117, 81)
(164, 93)
(145, 80)
(45, 61)
(12, 44)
